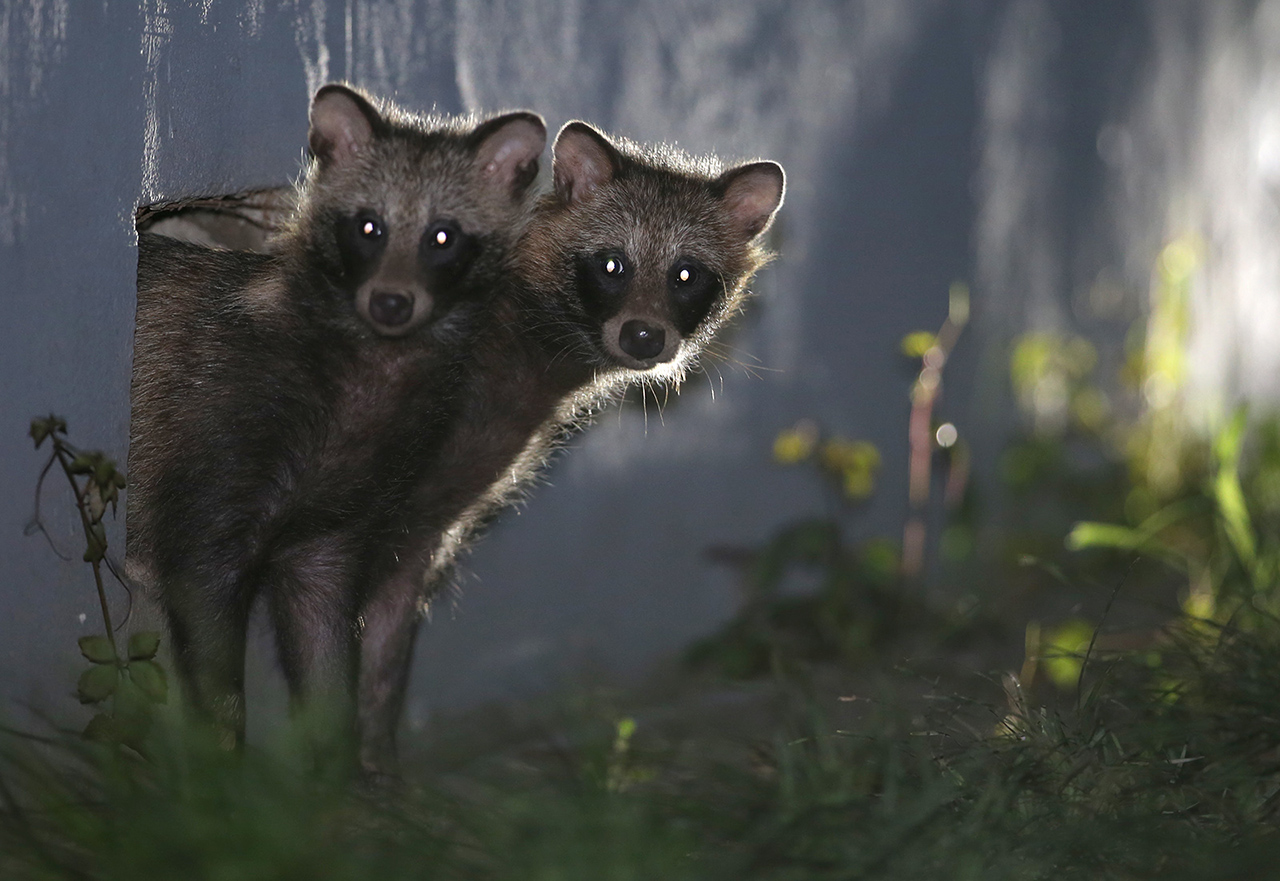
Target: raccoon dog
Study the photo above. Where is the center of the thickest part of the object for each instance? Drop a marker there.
(285, 405)
(626, 271)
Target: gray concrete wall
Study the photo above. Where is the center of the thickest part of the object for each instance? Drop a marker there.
(919, 137)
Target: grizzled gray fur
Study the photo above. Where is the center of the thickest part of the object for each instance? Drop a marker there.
(624, 273)
(286, 405)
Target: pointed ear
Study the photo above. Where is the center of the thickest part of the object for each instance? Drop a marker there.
(583, 160)
(751, 195)
(507, 150)
(342, 123)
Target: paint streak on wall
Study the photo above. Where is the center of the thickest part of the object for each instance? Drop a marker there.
(157, 31)
(309, 32)
(1020, 269)
(251, 17)
(32, 39)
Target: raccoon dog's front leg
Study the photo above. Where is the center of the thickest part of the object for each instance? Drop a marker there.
(208, 629)
(389, 627)
(313, 606)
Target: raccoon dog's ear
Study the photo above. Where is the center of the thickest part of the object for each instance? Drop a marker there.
(583, 159)
(507, 150)
(342, 123)
(752, 194)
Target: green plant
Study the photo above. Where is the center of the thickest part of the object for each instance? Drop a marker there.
(132, 681)
(857, 599)
(1232, 566)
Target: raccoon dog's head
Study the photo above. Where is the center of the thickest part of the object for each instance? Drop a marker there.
(654, 248)
(405, 215)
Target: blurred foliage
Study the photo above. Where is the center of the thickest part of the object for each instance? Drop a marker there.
(812, 596)
(1201, 501)
(845, 609)
(1062, 651)
(1107, 467)
(852, 465)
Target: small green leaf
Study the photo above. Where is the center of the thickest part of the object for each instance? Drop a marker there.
(98, 683)
(958, 306)
(42, 428)
(1235, 516)
(39, 431)
(130, 700)
(144, 645)
(1063, 653)
(134, 729)
(794, 445)
(133, 711)
(104, 471)
(1229, 494)
(82, 464)
(150, 677)
(916, 343)
(1105, 535)
(97, 649)
(881, 558)
(102, 729)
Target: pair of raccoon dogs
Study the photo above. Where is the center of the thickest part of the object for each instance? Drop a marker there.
(323, 424)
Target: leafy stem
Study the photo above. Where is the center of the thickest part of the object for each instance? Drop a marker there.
(132, 679)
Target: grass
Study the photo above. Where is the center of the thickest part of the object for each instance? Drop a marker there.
(1165, 770)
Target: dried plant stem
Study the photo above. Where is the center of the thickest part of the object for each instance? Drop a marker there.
(924, 395)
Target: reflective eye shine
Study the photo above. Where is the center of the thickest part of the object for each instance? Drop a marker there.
(370, 229)
(442, 237)
(685, 275)
(613, 266)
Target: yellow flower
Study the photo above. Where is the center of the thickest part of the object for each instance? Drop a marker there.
(794, 445)
(841, 454)
(855, 462)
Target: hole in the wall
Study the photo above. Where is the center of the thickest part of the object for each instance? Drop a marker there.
(239, 222)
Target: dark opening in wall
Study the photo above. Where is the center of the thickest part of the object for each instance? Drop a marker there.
(239, 222)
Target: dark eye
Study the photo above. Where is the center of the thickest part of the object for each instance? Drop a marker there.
(694, 289)
(685, 274)
(446, 250)
(442, 235)
(362, 237)
(602, 279)
(612, 265)
(688, 277)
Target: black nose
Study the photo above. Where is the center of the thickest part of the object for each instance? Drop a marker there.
(642, 341)
(390, 310)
